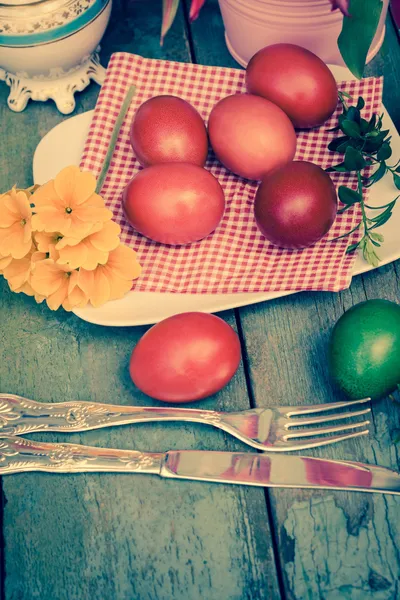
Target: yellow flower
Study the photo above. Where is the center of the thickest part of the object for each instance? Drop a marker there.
(19, 271)
(114, 279)
(69, 204)
(46, 242)
(60, 285)
(15, 224)
(92, 250)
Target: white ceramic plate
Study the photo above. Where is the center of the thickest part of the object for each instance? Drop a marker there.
(63, 146)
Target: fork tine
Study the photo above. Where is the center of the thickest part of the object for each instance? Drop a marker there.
(326, 418)
(323, 430)
(304, 444)
(293, 411)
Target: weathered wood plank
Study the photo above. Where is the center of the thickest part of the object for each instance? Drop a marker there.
(114, 536)
(331, 545)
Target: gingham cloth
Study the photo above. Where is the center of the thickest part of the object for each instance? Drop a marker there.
(236, 257)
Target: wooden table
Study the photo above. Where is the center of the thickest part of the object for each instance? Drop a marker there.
(116, 537)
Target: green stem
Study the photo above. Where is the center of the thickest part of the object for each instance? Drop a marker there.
(345, 234)
(377, 207)
(122, 113)
(364, 216)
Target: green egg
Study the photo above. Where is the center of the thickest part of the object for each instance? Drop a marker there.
(364, 350)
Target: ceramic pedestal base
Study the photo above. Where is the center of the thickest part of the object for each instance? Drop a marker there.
(59, 85)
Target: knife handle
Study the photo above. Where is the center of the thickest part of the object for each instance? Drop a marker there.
(18, 455)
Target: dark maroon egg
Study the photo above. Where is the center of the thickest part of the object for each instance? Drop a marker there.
(296, 205)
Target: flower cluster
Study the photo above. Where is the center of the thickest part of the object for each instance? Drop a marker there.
(59, 244)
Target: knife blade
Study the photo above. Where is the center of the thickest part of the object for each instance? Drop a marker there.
(286, 471)
(245, 468)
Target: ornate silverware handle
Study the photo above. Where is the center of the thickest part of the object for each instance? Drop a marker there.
(21, 455)
(20, 415)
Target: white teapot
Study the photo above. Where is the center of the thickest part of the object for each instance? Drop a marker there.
(48, 49)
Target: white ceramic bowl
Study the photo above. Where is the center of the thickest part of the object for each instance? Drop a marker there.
(42, 39)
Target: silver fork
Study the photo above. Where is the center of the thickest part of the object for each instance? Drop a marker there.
(273, 429)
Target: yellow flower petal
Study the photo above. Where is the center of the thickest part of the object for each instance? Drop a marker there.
(71, 241)
(46, 195)
(4, 262)
(8, 216)
(23, 205)
(12, 241)
(47, 278)
(74, 186)
(101, 288)
(93, 214)
(123, 263)
(46, 241)
(64, 183)
(86, 281)
(74, 256)
(55, 300)
(119, 287)
(17, 273)
(107, 238)
(76, 296)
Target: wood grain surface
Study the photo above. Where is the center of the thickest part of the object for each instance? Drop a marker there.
(116, 537)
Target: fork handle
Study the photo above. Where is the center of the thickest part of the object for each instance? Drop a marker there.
(20, 415)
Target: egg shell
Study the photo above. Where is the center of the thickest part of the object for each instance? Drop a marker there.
(296, 80)
(251, 136)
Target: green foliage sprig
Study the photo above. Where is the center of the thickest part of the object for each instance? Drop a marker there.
(364, 143)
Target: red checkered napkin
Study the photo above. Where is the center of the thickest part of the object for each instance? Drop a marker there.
(236, 257)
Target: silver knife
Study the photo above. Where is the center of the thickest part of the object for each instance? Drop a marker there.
(21, 455)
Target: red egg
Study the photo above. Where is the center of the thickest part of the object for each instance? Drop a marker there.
(250, 135)
(296, 206)
(168, 129)
(296, 80)
(185, 358)
(175, 203)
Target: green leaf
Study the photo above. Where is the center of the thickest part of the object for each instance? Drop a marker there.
(380, 172)
(375, 142)
(357, 33)
(340, 168)
(360, 103)
(348, 196)
(350, 128)
(342, 147)
(345, 95)
(170, 8)
(352, 247)
(377, 237)
(396, 180)
(364, 124)
(381, 219)
(353, 114)
(344, 208)
(384, 152)
(370, 255)
(377, 175)
(372, 123)
(333, 145)
(353, 160)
